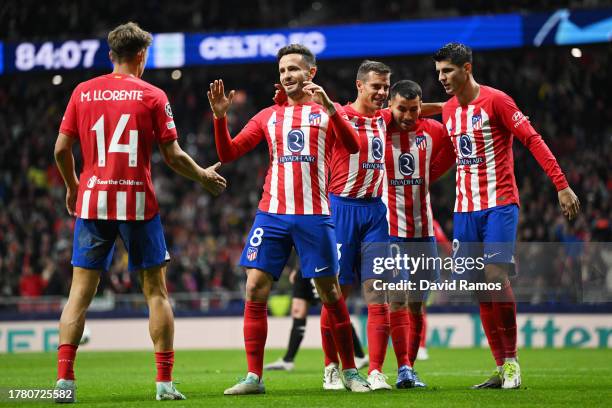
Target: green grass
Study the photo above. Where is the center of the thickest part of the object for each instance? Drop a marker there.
(567, 377)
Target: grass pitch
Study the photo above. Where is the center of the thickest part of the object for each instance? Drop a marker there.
(565, 377)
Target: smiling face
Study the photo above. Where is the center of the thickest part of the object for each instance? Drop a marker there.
(293, 71)
(405, 111)
(373, 90)
(453, 77)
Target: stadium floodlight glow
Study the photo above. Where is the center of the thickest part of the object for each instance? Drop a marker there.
(57, 79)
(176, 74)
(576, 52)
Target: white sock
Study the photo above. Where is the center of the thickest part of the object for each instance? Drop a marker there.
(500, 369)
(510, 360)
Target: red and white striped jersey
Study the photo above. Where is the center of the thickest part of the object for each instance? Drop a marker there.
(482, 133)
(360, 175)
(117, 119)
(408, 158)
(300, 141)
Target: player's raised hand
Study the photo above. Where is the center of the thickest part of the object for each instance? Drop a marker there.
(219, 102)
(280, 96)
(319, 96)
(213, 181)
(71, 199)
(570, 205)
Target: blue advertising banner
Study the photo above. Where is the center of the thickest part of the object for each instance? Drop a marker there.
(170, 50)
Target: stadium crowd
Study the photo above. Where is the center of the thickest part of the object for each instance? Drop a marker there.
(566, 98)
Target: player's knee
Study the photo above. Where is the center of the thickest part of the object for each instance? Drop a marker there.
(397, 306)
(372, 295)
(257, 290)
(496, 273)
(415, 308)
(299, 312)
(329, 292)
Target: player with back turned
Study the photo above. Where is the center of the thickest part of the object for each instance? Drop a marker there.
(481, 122)
(117, 119)
(294, 209)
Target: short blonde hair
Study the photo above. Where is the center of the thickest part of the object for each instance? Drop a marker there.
(126, 40)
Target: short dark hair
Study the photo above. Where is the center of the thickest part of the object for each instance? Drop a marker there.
(457, 53)
(126, 40)
(372, 66)
(306, 54)
(406, 89)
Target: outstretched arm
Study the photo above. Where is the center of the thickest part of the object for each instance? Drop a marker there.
(229, 149)
(519, 125)
(183, 164)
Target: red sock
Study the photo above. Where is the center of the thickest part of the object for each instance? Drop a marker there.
(414, 336)
(378, 335)
(342, 332)
(327, 338)
(164, 361)
(505, 317)
(424, 330)
(65, 361)
(489, 325)
(255, 334)
(400, 324)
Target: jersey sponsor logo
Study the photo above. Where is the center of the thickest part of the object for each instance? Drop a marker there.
(477, 122)
(295, 140)
(170, 125)
(252, 253)
(168, 110)
(465, 145)
(372, 166)
(421, 142)
(297, 158)
(406, 182)
(377, 149)
(468, 161)
(406, 164)
(92, 181)
(518, 118)
(314, 119)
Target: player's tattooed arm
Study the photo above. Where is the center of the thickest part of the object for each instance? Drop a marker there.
(219, 102)
(431, 108)
(319, 96)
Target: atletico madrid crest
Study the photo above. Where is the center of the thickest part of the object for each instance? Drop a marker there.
(421, 142)
(476, 122)
(314, 119)
(252, 253)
